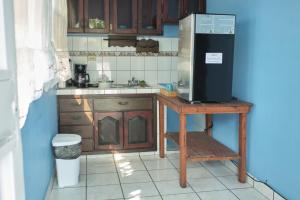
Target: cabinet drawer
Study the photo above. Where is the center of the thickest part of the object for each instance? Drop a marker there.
(76, 118)
(87, 145)
(66, 105)
(84, 131)
(121, 104)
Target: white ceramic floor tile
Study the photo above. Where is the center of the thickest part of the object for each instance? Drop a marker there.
(145, 198)
(82, 182)
(164, 174)
(231, 182)
(188, 196)
(129, 166)
(68, 193)
(152, 156)
(206, 184)
(198, 172)
(137, 190)
(102, 179)
(100, 159)
(217, 168)
(104, 192)
(172, 187)
(158, 164)
(134, 177)
(96, 168)
(190, 164)
(216, 195)
(248, 193)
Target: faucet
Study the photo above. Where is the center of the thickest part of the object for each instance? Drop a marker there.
(133, 82)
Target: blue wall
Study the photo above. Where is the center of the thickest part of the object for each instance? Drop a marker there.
(266, 72)
(37, 133)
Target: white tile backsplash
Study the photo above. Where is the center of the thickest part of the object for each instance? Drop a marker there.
(139, 75)
(94, 62)
(123, 63)
(164, 62)
(123, 77)
(164, 77)
(94, 43)
(79, 44)
(137, 63)
(151, 77)
(109, 63)
(151, 63)
(153, 69)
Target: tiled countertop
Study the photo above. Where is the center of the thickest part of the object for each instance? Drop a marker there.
(91, 91)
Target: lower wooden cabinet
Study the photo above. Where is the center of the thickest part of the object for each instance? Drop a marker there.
(138, 129)
(109, 123)
(108, 130)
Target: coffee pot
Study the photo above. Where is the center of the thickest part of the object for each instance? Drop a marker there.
(81, 78)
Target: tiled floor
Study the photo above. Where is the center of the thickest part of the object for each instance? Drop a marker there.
(148, 177)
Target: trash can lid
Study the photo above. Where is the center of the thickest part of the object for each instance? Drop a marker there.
(66, 140)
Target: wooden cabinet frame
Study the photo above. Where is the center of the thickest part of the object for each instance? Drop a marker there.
(134, 28)
(100, 116)
(158, 29)
(80, 15)
(130, 115)
(165, 12)
(106, 18)
(201, 9)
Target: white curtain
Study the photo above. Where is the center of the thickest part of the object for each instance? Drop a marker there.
(38, 62)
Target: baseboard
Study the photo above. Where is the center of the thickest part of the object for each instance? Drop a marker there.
(258, 185)
(50, 186)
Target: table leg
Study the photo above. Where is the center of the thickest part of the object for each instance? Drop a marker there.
(182, 149)
(242, 147)
(161, 130)
(208, 123)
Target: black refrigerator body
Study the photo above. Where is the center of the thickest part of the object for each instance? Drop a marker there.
(205, 58)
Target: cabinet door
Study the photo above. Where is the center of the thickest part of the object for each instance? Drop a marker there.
(150, 16)
(171, 11)
(75, 16)
(96, 16)
(193, 6)
(138, 129)
(124, 16)
(108, 131)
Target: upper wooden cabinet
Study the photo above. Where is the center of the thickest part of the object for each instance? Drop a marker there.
(193, 6)
(150, 17)
(171, 11)
(145, 17)
(75, 16)
(124, 16)
(96, 15)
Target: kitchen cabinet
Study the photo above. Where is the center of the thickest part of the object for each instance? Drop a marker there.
(96, 15)
(124, 17)
(150, 17)
(172, 11)
(109, 130)
(138, 129)
(193, 6)
(110, 122)
(75, 16)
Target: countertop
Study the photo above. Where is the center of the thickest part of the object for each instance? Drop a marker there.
(121, 90)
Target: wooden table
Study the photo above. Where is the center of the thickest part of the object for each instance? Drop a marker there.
(201, 146)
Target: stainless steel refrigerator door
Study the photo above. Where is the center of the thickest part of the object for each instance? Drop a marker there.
(186, 57)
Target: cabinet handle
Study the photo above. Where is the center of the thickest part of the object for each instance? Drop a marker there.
(110, 26)
(123, 103)
(76, 117)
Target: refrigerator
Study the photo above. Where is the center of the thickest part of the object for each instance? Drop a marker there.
(205, 58)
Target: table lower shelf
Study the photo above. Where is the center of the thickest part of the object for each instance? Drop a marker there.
(201, 147)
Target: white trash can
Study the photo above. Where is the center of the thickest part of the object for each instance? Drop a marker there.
(67, 151)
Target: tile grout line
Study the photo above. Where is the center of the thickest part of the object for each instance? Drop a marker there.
(118, 177)
(151, 177)
(187, 181)
(86, 162)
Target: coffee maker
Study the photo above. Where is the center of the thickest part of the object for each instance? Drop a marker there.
(81, 77)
